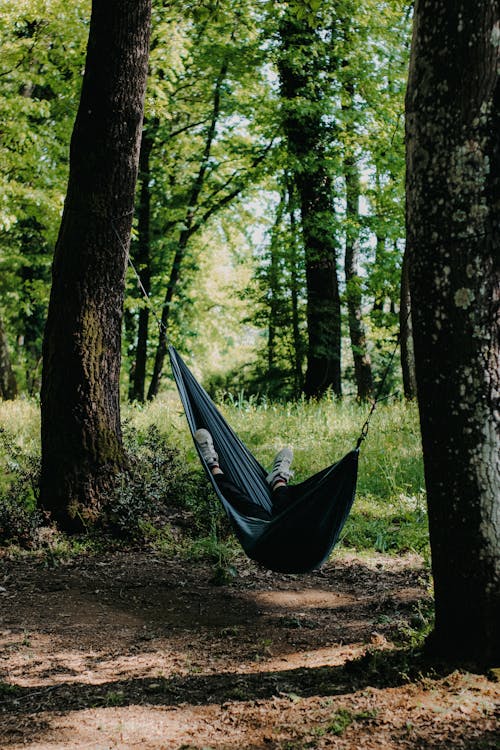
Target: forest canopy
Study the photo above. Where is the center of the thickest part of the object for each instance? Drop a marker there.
(235, 208)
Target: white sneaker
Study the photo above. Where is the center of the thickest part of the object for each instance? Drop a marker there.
(206, 446)
(281, 467)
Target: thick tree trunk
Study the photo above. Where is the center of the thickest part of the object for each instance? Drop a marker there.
(323, 297)
(143, 266)
(406, 337)
(453, 225)
(8, 382)
(362, 361)
(81, 435)
(303, 124)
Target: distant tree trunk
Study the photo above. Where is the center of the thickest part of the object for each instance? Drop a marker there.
(186, 232)
(273, 285)
(32, 310)
(406, 329)
(303, 124)
(8, 382)
(362, 362)
(143, 267)
(453, 223)
(81, 435)
(354, 297)
(379, 295)
(273, 305)
(298, 347)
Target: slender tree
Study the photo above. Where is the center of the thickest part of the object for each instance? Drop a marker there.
(354, 297)
(188, 229)
(295, 293)
(357, 332)
(453, 223)
(8, 382)
(406, 334)
(81, 435)
(142, 258)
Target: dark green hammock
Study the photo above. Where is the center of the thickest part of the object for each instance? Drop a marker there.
(302, 536)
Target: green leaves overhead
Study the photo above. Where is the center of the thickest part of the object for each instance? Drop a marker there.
(355, 56)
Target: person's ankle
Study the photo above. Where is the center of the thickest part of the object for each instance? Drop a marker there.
(279, 483)
(216, 470)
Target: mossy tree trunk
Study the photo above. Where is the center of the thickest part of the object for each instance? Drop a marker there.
(453, 225)
(81, 437)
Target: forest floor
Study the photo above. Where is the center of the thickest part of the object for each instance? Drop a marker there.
(129, 650)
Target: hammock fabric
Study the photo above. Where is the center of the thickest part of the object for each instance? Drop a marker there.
(302, 536)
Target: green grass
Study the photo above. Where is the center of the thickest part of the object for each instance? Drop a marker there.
(388, 515)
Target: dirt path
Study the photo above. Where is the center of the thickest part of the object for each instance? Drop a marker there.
(132, 651)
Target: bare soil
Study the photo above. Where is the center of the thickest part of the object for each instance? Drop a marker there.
(129, 650)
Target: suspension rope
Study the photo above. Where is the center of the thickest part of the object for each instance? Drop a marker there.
(378, 398)
(161, 326)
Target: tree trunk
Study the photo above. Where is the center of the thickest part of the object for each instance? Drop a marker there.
(406, 336)
(273, 285)
(81, 435)
(186, 232)
(143, 267)
(362, 362)
(298, 347)
(8, 382)
(303, 124)
(453, 223)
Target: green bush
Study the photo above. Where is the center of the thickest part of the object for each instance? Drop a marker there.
(19, 517)
(157, 479)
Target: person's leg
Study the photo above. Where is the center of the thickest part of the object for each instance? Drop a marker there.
(238, 499)
(282, 496)
(278, 479)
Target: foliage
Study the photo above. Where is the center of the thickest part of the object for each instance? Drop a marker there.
(160, 489)
(20, 519)
(43, 44)
(240, 222)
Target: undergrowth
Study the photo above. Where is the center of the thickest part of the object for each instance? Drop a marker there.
(164, 500)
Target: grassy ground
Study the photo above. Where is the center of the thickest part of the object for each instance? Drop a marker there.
(389, 511)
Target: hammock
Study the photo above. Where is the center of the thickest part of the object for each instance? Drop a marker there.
(302, 536)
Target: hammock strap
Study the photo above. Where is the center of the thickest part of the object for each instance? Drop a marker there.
(378, 397)
(162, 328)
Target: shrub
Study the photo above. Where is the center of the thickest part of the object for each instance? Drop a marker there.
(19, 518)
(157, 482)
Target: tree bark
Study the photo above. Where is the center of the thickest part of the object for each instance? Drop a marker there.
(453, 227)
(303, 124)
(8, 382)
(81, 435)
